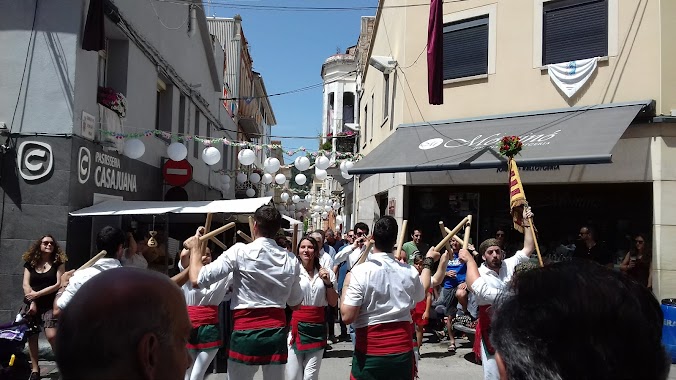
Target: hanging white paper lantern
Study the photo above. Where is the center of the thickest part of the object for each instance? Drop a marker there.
(302, 163)
(327, 208)
(241, 177)
(284, 197)
(328, 203)
(250, 192)
(339, 220)
(322, 162)
(336, 205)
(211, 155)
(308, 198)
(280, 179)
(317, 209)
(225, 179)
(271, 165)
(325, 215)
(295, 199)
(320, 174)
(246, 157)
(301, 179)
(134, 148)
(267, 178)
(177, 151)
(225, 187)
(321, 202)
(346, 165)
(346, 175)
(254, 178)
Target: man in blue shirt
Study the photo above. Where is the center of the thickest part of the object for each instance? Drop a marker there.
(456, 272)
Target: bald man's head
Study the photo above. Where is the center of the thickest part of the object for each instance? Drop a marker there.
(124, 322)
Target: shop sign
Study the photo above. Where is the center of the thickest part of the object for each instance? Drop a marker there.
(107, 171)
(481, 141)
(34, 160)
(532, 168)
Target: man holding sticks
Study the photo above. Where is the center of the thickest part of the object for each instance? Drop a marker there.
(377, 300)
(487, 282)
(265, 279)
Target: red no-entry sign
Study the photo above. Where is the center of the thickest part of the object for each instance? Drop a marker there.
(177, 173)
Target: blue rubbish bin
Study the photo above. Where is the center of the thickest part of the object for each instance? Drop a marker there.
(669, 327)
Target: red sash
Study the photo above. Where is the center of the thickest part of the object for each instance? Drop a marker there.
(264, 318)
(385, 339)
(483, 330)
(203, 315)
(307, 314)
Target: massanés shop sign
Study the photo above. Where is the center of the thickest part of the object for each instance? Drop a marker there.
(104, 170)
(481, 141)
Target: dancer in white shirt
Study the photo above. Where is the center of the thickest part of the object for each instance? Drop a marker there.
(308, 335)
(487, 282)
(266, 278)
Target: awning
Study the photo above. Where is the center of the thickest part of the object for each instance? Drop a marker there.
(117, 207)
(584, 135)
(291, 220)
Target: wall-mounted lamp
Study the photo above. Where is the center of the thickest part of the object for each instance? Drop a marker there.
(384, 64)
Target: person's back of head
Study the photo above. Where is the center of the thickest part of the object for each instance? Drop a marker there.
(268, 221)
(579, 321)
(110, 239)
(124, 323)
(385, 232)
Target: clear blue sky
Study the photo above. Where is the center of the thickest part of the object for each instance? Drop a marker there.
(288, 49)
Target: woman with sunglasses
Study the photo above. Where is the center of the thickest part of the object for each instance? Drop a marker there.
(636, 263)
(308, 334)
(45, 263)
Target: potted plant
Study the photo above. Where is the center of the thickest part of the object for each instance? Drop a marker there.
(113, 100)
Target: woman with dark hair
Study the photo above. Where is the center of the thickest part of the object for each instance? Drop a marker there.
(43, 268)
(308, 334)
(636, 263)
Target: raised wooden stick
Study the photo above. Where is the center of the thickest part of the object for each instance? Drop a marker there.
(217, 231)
(207, 228)
(451, 234)
(445, 231)
(468, 229)
(93, 260)
(294, 238)
(218, 242)
(535, 241)
(251, 226)
(365, 254)
(400, 240)
(244, 236)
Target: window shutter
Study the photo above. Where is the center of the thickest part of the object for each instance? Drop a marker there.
(574, 30)
(466, 48)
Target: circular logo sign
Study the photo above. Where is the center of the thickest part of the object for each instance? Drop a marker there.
(177, 173)
(431, 143)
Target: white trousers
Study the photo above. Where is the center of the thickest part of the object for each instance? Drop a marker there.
(303, 366)
(200, 363)
(239, 371)
(489, 364)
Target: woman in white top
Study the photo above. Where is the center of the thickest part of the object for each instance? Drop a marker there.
(205, 337)
(307, 337)
(133, 257)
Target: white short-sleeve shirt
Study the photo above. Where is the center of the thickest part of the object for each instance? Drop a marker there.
(314, 291)
(385, 289)
(491, 283)
(81, 276)
(263, 275)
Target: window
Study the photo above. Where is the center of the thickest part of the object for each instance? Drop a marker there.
(386, 96)
(466, 48)
(373, 100)
(574, 29)
(196, 145)
(102, 65)
(163, 107)
(366, 123)
(181, 116)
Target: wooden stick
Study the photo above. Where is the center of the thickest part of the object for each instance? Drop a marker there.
(93, 260)
(468, 229)
(251, 226)
(445, 231)
(294, 247)
(218, 242)
(365, 254)
(207, 228)
(535, 241)
(450, 234)
(217, 231)
(400, 240)
(244, 236)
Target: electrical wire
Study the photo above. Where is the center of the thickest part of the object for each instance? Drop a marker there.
(287, 8)
(301, 89)
(162, 22)
(25, 64)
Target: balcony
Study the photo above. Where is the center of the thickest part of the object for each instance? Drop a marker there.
(345, 141)
(250, 118)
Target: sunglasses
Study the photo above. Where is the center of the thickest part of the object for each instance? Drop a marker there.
(359, 234)
(350, 236)
(46, 243)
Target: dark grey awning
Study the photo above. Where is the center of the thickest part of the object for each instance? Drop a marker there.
(584, 135)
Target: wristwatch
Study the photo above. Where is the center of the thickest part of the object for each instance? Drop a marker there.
(329, 286)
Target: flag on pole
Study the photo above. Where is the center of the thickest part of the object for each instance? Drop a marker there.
(435, 53)
(517, 198)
